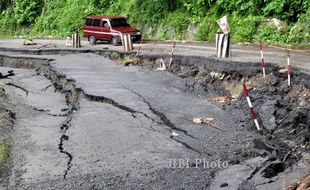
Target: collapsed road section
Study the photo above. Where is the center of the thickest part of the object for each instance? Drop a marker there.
(126, 125)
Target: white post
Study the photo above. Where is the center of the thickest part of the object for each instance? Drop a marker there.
(289, 70)
(262, 59)
(73, 40)
(223, 45)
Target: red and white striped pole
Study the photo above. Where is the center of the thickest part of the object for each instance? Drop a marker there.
(140, 46)
(289, 69)
(263, 65)
(172, 54)
(246, 93)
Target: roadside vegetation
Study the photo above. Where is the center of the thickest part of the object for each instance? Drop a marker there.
(4, 153)
(127, 59)
(6, 120)
(272, 21)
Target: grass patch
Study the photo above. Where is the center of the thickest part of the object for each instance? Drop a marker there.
(4, 137)
(4, 153)
(127, 59)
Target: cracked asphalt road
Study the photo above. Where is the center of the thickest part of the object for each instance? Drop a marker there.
(121, 135)
(36, 131)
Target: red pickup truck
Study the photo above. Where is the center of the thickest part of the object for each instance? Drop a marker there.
(108, 28)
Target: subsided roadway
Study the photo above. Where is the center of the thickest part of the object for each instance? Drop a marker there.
(130, 124)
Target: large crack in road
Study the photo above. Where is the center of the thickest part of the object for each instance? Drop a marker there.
(62, 150)
(73, 94)
(162, 116)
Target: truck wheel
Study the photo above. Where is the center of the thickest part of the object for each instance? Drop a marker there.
(115, 40)
(92, 40)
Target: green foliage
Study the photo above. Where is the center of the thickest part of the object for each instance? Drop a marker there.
(7, 22)
(127, 59)
(244, 28)
(241, 7)
(162, 19)
(270, 34)
(285, 9)
(179, 20)
(300, 31)
(206, 29)
(161, 33)
(26, 11)
(4, 4)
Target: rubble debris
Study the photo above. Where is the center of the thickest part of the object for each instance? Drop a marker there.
(267, 110)
(225, 177)
(296, 116)
(29, 42)
(207, 121)
(262, 145)
(304, 184)
(220, 99)
(190, 73)
(283, 70)
(214, 74)
(162, 66)
(273, 169)
(174, 134)
(48, 45)
(202, 120)
(222, 77)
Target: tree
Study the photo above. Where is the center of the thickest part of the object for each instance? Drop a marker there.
(26, 11)
(4, 4)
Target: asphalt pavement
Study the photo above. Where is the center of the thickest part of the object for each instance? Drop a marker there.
(128, 141)
(133, 128)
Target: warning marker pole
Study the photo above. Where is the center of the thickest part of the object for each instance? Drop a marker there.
(246, 93)
(289, 69)
(172, 54)
(263, 65)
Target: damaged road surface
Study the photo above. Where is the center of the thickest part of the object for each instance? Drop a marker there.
(35, 153)
(124, 127)
(86, 122)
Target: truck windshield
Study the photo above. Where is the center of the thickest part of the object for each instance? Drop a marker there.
(119, 22)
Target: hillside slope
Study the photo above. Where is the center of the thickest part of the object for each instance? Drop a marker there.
(250, 20)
